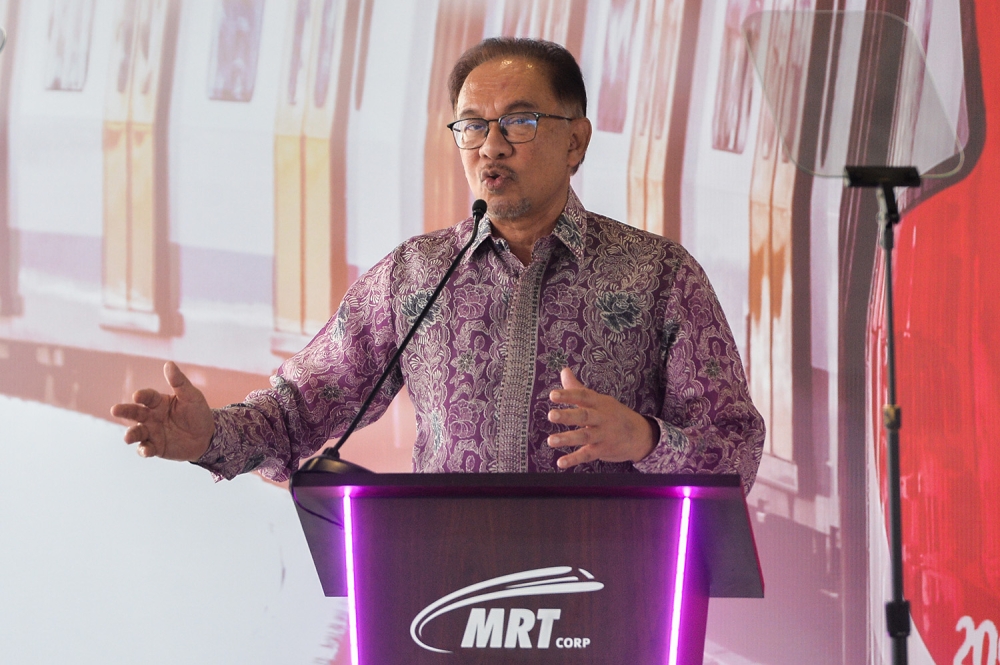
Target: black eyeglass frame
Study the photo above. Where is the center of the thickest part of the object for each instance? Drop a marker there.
(455, 133)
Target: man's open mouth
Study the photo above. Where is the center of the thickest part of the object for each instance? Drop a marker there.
(496, 177)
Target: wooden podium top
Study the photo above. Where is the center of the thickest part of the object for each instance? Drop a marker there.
(701, 486)
(721, 522)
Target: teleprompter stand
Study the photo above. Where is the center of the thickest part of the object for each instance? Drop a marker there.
(869, 70)
(537, 568)
(885, 180)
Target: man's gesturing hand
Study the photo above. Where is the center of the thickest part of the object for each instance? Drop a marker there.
(608, 430)
(178, 426)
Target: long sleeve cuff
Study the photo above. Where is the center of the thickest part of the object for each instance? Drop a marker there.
(670, 452)
(227, 456)
(676, 450)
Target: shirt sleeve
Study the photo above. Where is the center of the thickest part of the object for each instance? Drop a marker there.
(316, 393)
(708, 424)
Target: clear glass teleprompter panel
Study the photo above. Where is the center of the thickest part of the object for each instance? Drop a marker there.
(809, 64)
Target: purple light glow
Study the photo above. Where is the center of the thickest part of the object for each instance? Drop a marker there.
(352, 608)
(682, 546)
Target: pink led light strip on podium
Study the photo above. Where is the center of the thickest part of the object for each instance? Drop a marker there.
(352, 600)
(682, 547)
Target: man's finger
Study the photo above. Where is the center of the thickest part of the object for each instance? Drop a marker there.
(136, 412)
(576, 437)
(579, 417)
(147, 397)
(146, 449)
(574, 397)
(136, 434)
(581, 456)
(569, 379)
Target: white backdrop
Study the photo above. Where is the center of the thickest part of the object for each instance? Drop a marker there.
(107, 559)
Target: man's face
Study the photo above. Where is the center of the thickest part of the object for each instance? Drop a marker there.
(523, 182)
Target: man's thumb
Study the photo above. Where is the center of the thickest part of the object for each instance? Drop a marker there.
(569, 379)
(177, 380)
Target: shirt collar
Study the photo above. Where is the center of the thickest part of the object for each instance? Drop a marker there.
(484, 232)
(570, 229)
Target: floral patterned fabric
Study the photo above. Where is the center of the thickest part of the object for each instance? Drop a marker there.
(631, 313)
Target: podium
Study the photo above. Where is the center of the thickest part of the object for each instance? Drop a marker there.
(534, 568)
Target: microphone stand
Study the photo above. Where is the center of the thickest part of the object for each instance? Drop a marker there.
(884, 179)
(329, 461)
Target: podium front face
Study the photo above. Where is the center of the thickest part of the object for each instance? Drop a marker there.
(463, 573)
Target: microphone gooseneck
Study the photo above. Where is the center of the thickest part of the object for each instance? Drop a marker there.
(330, 460)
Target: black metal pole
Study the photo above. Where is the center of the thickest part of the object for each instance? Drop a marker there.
(884, 179)
(897, 610)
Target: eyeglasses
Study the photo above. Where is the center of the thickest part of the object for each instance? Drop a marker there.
(471, 133)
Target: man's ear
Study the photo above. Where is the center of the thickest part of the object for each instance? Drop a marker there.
(580, 133)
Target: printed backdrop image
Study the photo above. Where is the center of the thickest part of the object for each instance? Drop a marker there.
(201, 181)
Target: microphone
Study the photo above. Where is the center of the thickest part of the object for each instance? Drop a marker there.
(329, 461)
(478, 211)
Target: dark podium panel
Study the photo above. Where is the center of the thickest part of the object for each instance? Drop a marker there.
(533, 568)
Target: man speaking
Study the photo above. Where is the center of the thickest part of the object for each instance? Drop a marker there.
(563, 341)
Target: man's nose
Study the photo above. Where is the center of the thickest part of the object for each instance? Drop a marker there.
(495, 146)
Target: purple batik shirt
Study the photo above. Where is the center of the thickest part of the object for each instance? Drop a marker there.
(630, 312)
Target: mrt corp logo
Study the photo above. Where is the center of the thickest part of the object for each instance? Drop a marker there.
(489, 626)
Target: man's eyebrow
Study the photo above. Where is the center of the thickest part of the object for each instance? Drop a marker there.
(520, 105)
(513, 107)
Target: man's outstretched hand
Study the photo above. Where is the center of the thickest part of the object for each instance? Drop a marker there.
(608, 430)
(177, 426)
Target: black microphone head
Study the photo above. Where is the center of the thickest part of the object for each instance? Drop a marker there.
(478, 208)
(330, 462)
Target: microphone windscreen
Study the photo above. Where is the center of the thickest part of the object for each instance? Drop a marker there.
(479, 208)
